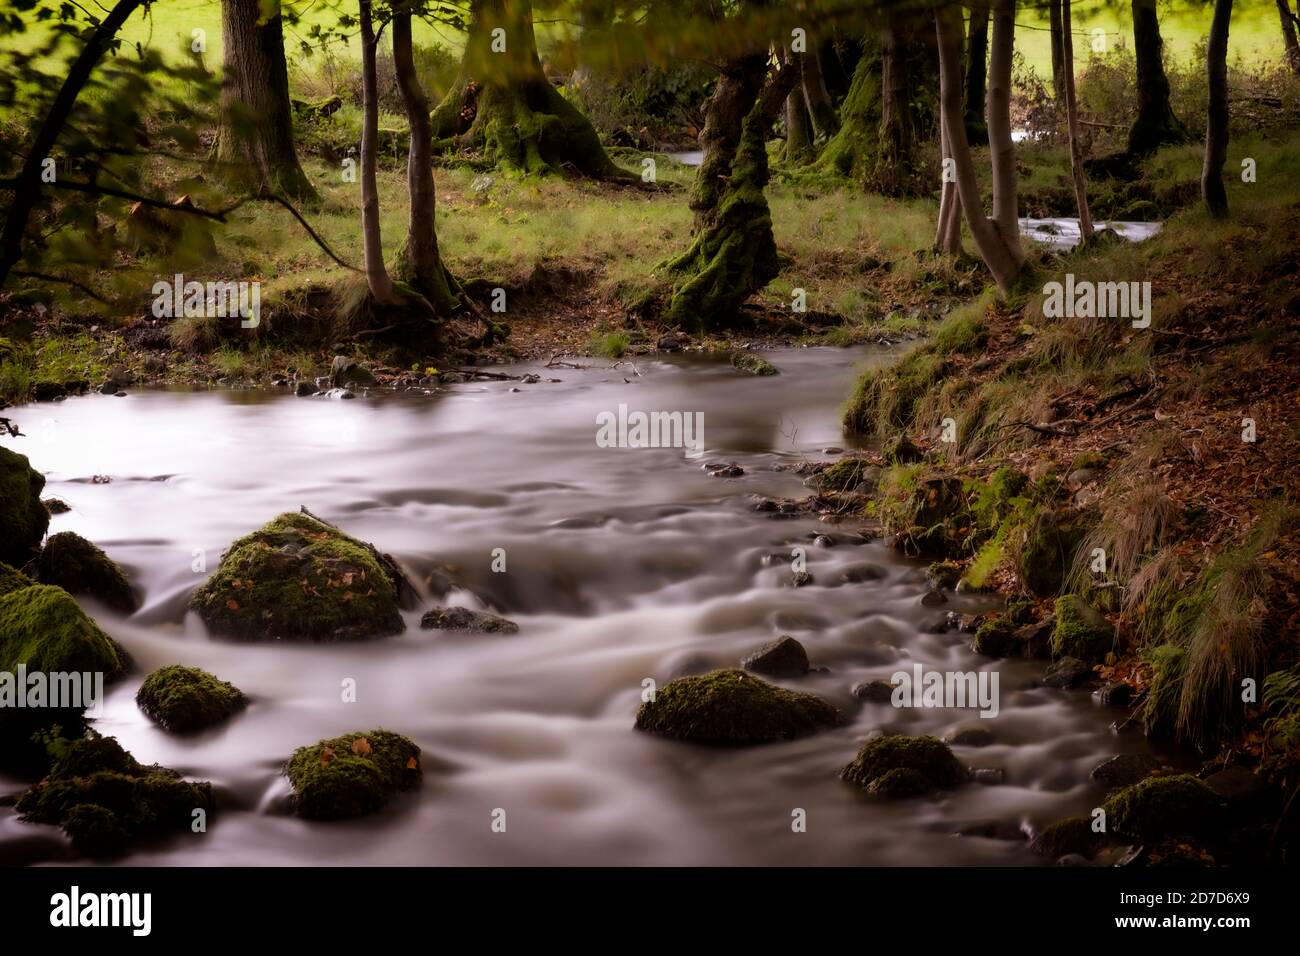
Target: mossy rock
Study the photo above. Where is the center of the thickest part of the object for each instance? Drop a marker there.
(994, 637)
(352, 775)
(848, 474)
(1047, 553)
(753, 363)
(929, 757)
(12, 580)
(927, 512)
(900, 784)
(902, 451)
(1161, 807)
(23, 517)
(186, 699)
(43, 627)
(1160, 712)
(299, 578)
(732, 707)
(1081, 630)
(103, 797)
(74, 564)
(1065, 837)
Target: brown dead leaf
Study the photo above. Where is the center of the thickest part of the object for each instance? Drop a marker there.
(326, 756)
(232, 604)
(411, 763)
(361, 747)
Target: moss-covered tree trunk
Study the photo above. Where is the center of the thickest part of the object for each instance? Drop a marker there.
(821, 110)
(503, 103)
(977, 71)
(894, 155)
(734, 95)
(1216, 127)
(852, 150)
(1156, 123)
(255, 146)
(1290, 25)
(420, 263)
(798, 134)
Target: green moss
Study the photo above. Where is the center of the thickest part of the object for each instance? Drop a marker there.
(1081, 631)
(987, 560)
(1072, 835)
(74, 564)
(927, 511)
(352, 775)
(1048, 552)
(1160, 807)
(927, 756)
(11, 580)
(298, 578)
(23, 518)
(847, 474)
(732, 707)
(753, 363)
(1160, 712)
(993, 638)
(43, 627)
(1088, 459)
(900, 784)
(129, 800)
(961, 335)
(886, 398)
(186, 699)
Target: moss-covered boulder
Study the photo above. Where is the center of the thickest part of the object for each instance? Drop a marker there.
(1160, 807)
(900, 784)
(926, 757)
(23, 518)
(732, 707)
(352, 775)
(299, 578)
(927, 512)
(848, 474)
(995, 637)
(752, 363)
(104, 798)
(43, 627)
(12, 579)
(1081, 630)
(1069, 836)
(74, 564)
(186, 699)
(1048, 550)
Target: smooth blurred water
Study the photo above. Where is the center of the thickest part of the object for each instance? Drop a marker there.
(622, 564)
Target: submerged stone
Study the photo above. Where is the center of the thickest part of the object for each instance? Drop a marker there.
(74, 564)
(186, 699)
(352, 775)
(928, 757)
(465, 619)
(784, 657)
(1068, 837)
(753, 364)
(299, 578)
(1124, 770)
(732, 707)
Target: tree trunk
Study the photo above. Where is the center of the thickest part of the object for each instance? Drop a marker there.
(1058, 63)
(255, 143)
(1004, 266)
(1072, 124)
(503, 103)
(977, 53)
(798, 136)
(1156, 124)
(1002, 150)
(734, 95)
(851, 151)
(420, 263)
(1216, 127)
(894, 154)
(377, 279)
(821, 111)
(1289, 30)
(948, 236)
(27, 192)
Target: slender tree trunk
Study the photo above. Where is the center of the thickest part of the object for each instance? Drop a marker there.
(255, 143)
(948, 236)
(1216, 127)
(733, 97)
(798, 137)
(1156, 124)
(377, 279)
(977, 53)
(894, 153)
(1072, 123)
(1004, 266)
(1002, 150)
(825, 121)
(1058, 64)
(503, 103)
(28, 190)
(421, 263)
(1289, 30)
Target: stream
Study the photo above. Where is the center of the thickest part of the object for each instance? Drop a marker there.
(622, 564)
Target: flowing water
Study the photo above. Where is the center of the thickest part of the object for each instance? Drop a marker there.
(621, 564)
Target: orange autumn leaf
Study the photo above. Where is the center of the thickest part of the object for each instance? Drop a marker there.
(326, 756)
(361, 747)
(232, 604)
(411, 763)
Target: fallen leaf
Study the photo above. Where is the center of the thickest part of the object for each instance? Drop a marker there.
(411, 764)
(232, 604)
(361, 747)
(326, 756)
